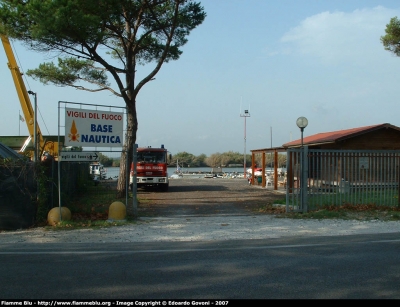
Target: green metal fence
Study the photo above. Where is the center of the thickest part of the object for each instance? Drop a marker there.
(318, 178)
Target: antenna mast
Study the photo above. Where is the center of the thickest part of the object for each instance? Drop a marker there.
(245, 115)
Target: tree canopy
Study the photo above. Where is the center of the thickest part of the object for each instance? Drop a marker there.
(391, 40)
(97, 39)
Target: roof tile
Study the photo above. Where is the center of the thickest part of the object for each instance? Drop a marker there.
(331, 137)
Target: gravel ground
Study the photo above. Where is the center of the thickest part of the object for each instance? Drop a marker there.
(203, 210)
(202, 229)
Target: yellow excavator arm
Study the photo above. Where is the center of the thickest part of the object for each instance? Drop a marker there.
(50, 147)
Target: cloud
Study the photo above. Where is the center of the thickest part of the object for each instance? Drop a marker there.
(203, 137)
(322, 109)
(336, 37)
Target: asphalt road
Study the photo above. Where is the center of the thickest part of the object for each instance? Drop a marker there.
(343, 267)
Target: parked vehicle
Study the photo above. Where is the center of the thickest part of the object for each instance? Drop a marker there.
(151, 168)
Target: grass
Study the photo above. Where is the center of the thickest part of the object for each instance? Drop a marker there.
(387, 196)
(346, 212)
(359, 205)
(280, 201)
(90, 209)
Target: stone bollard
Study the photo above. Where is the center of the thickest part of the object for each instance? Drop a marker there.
(53, 217)
(116, 212)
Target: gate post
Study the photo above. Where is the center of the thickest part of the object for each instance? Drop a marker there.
(288, 174)
(304, 179)
(398, 186)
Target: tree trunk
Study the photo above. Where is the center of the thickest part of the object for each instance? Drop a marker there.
(127, 153)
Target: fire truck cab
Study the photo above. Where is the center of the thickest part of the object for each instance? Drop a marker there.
(151, 168)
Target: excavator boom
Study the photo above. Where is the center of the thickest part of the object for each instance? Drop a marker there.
(26, 105)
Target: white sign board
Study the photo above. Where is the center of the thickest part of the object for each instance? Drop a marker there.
(74, 156)
(93, 128)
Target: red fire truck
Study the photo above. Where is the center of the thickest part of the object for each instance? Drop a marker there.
(151, 168)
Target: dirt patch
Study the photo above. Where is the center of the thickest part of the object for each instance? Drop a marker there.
(202, 196)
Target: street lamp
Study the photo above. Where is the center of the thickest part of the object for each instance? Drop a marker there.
(245, 115)
(35, 152)
(302, 122)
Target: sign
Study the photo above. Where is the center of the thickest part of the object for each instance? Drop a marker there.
(93, 128)
(78, 156)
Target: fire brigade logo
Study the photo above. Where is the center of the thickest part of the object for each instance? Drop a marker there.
(73, 136)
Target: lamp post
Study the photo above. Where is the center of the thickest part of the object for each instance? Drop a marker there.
(245, 115)
(35, 152)
(302, 122)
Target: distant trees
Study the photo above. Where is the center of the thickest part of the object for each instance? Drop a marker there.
(282, 159)
(225, 159)
(270, 158)
(391, 40)
(199, 161)
(106, 161)
(116, 163)
(184, 159)
(214, 160)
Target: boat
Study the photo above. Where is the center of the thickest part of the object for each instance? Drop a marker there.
(97, 171)
(176, 176)
(178, 170)
(268, 171)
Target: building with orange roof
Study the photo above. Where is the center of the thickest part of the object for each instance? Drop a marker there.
(374, 137)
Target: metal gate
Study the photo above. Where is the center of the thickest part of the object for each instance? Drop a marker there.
(320, 178)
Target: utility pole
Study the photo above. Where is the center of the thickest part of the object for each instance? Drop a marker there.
(35, 141)
(245, 115)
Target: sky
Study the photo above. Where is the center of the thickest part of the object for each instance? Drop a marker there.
(321, 59)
